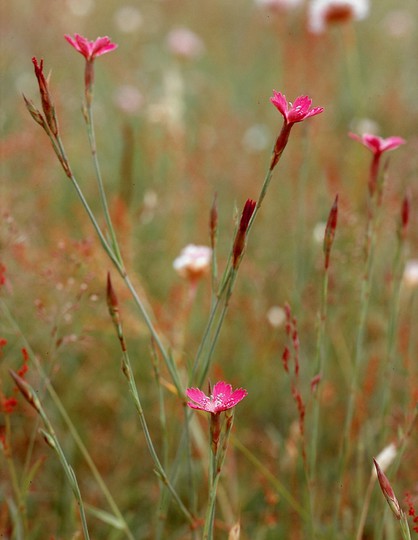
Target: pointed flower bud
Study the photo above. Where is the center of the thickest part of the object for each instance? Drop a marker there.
(239, 242)
(26, 390)
(404, 221)
(213, 221)
(330, 231)
(388, 491)
(46, 100)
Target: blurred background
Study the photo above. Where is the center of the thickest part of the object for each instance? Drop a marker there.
(182, 112)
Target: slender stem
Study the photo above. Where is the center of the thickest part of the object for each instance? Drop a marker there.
(93, 147)
(275, 482)
(318, 372)
(371, 235)
(391, 335)
(71, 427)
(52, 440)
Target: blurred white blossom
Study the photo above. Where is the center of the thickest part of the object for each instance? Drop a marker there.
(128, 19)
(193, 261)
(410, 274)
(322, 13)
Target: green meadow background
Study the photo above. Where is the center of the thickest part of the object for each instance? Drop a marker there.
(186, 129)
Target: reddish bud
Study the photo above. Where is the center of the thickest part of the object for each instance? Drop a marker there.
(388, 491)
(26, 391)
(46, 100)
(405, 212)
(239, 242)
(330, 231)
(213, 221)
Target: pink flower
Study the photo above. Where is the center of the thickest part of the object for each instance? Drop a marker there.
(221, 399)
(376, 144)
(91, 49)
(300, 110)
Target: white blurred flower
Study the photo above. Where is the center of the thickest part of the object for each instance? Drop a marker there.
(128, 19)
(276, 316)
(278, 5)
(410, 274)
(256, 138)
(318, 232)
(193, 262)
(184, 43)
(385, 458)
(364, 125)
(322, 13)
(128, 98)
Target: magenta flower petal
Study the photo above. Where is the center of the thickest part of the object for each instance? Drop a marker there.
(376, 144)
(221, 399)
(296, 112)
(91, 49)
(280, 102)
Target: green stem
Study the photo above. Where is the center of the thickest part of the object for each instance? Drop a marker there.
(72, 429)
(318, 371)
(93, 147)
(371, 235)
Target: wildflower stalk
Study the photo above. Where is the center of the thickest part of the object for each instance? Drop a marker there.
(320, 339)
(218, 453)
(398, 265)
(71, 427)
(371, 236)
(92, 140)
(133, 389)
(50, 437)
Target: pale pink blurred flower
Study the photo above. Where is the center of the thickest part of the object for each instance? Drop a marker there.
(184, 43)
(322, 13)
(193, 262)
(399, 23)
(278, 5)
(128, 98)
(376, 144)
(296, 112)
(91, 49)
(221, 399)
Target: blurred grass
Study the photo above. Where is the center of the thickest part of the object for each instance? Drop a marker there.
(356, 72)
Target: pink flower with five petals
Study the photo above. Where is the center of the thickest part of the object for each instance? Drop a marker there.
(296, 112)
(91, 49)
(221, 399)
(292, 113)
(376, 144)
